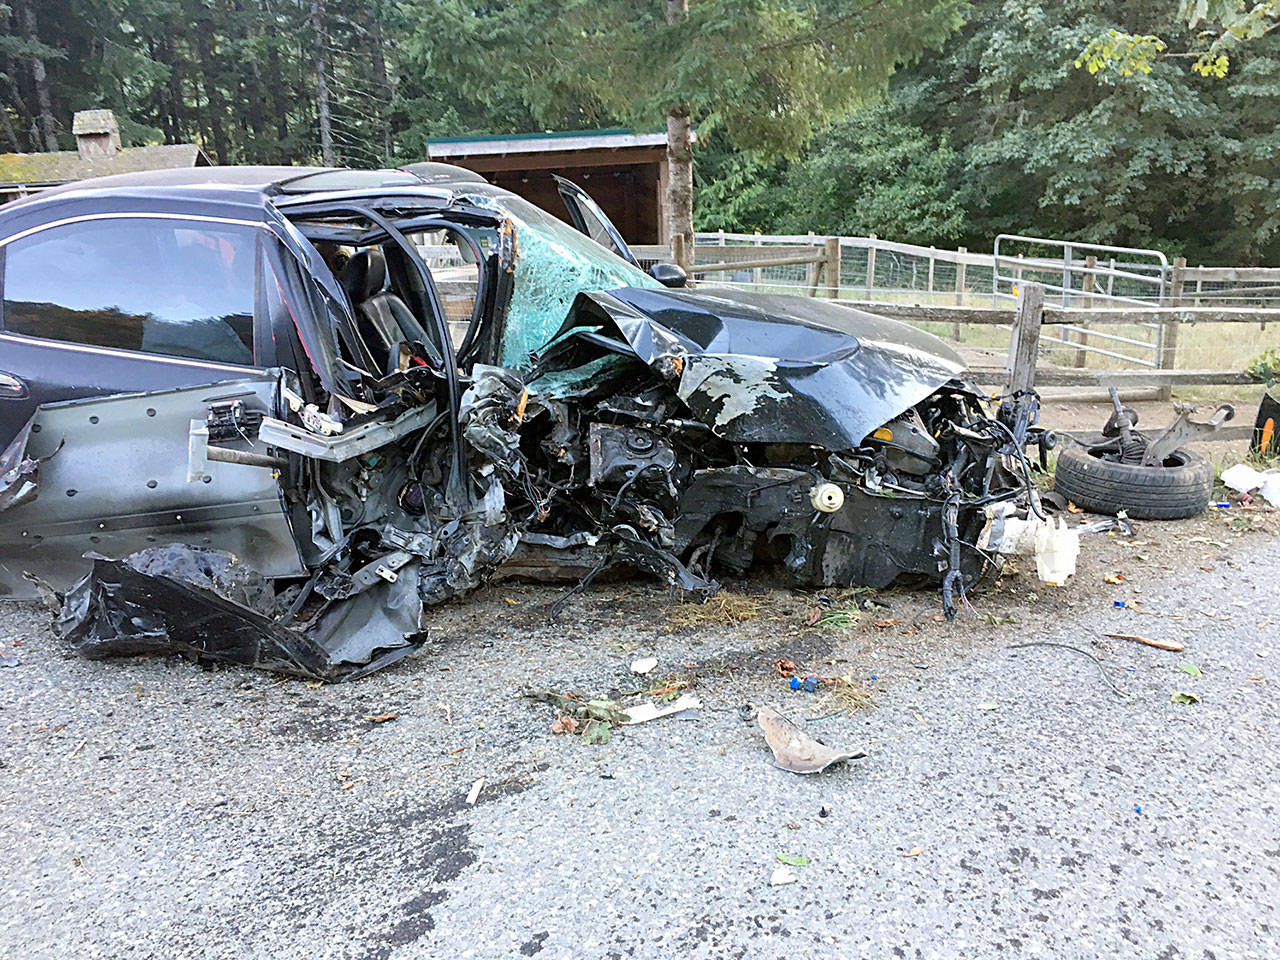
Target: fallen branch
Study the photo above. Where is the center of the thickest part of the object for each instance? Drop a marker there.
(1171, 645)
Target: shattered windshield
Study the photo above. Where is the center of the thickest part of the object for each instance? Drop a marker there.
(553, 264)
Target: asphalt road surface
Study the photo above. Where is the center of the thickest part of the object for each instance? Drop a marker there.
(1011, 804)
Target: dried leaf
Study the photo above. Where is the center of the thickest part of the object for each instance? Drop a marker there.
(1115, 578)
(914, 852)
(887, 622)
(381, 717)
(565, 725)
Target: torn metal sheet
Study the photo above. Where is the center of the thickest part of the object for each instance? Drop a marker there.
(209, 606)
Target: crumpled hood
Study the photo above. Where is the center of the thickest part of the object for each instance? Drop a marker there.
(777, 369)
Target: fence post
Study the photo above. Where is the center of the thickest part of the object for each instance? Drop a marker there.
(757, 275)
(1024, 345)
(1169, 331)
(1087, 286)
(931, 262)
(832, 251)
(679, 254)
(960, 265)
(871, 265)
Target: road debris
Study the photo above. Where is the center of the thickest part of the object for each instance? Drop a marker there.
(1182, 696)
(782, 876)
(644, 665)
(474, 794)
(1191, 669)
(914, 852)
(1171, 645)
(793, 859)
(565, 725)
(1123, 694)
(793, 749)
(1244, 479)
(644, 712)
(381, 717)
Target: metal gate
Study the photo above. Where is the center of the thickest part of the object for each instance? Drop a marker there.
(1087, 275)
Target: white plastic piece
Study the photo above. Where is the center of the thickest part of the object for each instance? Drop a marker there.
(321, 423)
(1057, 548)
(826, 497)
(643, 665)
(644, 712)
(1242, 478)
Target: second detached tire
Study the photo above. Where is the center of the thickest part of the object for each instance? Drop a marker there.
(1180, 488)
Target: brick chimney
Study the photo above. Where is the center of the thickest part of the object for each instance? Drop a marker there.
(97, 134)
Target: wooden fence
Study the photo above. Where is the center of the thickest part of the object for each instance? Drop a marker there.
(936, 285)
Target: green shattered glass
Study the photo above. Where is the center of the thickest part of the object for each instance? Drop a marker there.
(553, 264)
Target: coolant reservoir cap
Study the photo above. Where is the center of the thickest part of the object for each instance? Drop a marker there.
(826, 497)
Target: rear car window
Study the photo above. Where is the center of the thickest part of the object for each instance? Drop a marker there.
(172, 287)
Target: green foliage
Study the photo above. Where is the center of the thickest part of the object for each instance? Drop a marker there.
(1126, 53)
(1265, 368)
(875, 172)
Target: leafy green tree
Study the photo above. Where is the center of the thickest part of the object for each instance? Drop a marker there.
(875, 172)
(768, 72)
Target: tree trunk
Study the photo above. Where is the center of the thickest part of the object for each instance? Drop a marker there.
(39, 80)
(680, 161)
(384, 85)
(323, 114)
(279, 91)
(680, 180)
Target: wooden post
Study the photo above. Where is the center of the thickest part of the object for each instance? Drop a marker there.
(871, 265)
(832, 250)
(960, 265)
(1168, 359)
(680, 254)
(1024, 345)
(1088, 286)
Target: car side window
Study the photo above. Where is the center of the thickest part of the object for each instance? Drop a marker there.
(180, 288)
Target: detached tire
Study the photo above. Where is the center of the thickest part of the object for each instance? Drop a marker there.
(1180, 488)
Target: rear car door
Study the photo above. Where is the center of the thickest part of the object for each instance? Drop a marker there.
(120, 330)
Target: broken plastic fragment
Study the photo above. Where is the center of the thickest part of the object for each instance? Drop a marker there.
(795, 750)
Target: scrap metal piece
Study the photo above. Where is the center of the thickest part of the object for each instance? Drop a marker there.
(208, 605)
(1183, 430)
(796, 751)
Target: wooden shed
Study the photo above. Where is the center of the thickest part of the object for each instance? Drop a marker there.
(98, 153)
(626, 172)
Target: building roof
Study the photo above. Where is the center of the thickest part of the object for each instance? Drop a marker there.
(47, 169)
(616, 139)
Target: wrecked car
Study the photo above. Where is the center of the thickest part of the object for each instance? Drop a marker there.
(270, 415)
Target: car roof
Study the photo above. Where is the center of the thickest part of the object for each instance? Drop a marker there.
(249, 184)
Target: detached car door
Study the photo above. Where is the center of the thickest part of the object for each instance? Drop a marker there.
(116, 333)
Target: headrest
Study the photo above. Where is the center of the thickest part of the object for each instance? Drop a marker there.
(365, 275)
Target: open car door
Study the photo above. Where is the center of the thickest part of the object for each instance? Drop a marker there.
(586, 216)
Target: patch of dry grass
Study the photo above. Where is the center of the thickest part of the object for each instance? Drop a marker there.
(724, 608)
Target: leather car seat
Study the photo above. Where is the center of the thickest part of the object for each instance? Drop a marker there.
(384, 319)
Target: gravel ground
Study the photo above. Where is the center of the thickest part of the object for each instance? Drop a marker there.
(151, 808)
